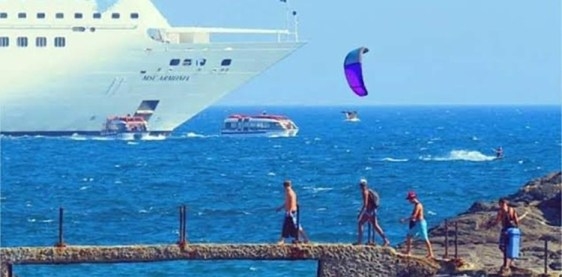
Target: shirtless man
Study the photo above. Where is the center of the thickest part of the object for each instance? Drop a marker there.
(509, 219)
(368, 213)
(290, 220)
(418, 225)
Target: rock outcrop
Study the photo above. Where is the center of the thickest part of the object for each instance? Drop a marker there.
(538, 202)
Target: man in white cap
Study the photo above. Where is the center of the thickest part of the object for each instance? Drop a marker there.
(368, 212)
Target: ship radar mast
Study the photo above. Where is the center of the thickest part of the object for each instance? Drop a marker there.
(295, 21)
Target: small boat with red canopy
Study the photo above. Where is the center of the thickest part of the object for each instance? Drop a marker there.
(125, 127)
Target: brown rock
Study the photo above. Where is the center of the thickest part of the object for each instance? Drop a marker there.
(538, 201)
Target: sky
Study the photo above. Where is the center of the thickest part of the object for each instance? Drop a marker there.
(439, 52)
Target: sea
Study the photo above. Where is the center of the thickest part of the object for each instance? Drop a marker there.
(117, 192)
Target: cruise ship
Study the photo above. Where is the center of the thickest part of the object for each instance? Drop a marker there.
(66, 66)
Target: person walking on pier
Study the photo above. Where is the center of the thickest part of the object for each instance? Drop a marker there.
(368, 213)
(290, 228)
(418, 225)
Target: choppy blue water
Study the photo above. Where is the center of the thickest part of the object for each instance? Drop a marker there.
(120, 192)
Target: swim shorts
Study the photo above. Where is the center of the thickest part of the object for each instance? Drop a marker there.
(419, 230)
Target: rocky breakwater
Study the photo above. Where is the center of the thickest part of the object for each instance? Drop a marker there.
(538, 202)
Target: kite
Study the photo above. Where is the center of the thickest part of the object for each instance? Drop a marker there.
(354, 71)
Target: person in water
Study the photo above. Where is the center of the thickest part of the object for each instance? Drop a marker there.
(368, 212)
(509, 219)
(290, 228)
(418, 225)
(499, 152)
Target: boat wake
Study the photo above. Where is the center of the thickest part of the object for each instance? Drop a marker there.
(194, 135)
(191, 135)
(389, 159)
(110, 138)
(460, 155)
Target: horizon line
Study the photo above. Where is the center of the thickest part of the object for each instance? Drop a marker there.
(389, 105)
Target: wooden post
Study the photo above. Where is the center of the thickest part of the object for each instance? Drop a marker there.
(545, 256)
(184, 224)
(180, 231)
(298, 223)
(60, 243)
(456, 239)
(446, 255)
(182, 219)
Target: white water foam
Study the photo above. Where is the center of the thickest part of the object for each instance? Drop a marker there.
(158, 137)
(461, 155)
(194, 135)
(389, 159)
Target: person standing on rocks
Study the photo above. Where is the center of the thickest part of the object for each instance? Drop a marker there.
(290, 228)
(509, 219)
(368, 213)
(418, 225)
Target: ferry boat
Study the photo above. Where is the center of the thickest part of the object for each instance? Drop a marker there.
(67, 65)
(259, 125)
(125, 127)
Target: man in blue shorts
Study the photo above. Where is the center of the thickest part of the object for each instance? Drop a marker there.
(418, 225)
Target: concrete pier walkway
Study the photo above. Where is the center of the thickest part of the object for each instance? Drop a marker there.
(333, 259)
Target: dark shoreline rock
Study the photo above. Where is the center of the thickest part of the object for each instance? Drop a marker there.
(539, 203)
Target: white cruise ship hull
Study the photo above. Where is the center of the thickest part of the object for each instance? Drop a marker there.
(111, 68)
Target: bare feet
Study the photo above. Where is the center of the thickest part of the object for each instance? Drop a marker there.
(281, 242)
(386, 243)
(429, 256)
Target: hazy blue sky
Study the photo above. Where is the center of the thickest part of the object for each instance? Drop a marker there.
(422, 52)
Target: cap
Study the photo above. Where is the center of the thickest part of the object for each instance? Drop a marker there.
(362, 181)
(411, 195)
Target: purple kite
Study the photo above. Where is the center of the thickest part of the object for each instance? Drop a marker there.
(354, 71)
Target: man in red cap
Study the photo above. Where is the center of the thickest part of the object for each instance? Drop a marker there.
(418, 225)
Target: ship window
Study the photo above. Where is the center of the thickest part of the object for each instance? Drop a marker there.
(134, 15)
(59, 15)
(226, 62)
(22, 15)
(22, 41)
(201, 62)
(3, 15)
(78, 15)
(4, 41)
(115, 15)
(60, 42)
(97, 15)
(79, 29)
(174, 62)
(41, 41)
(40, 15)
(187, 62)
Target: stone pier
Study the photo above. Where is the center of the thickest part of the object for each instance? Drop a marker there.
(333, 259)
